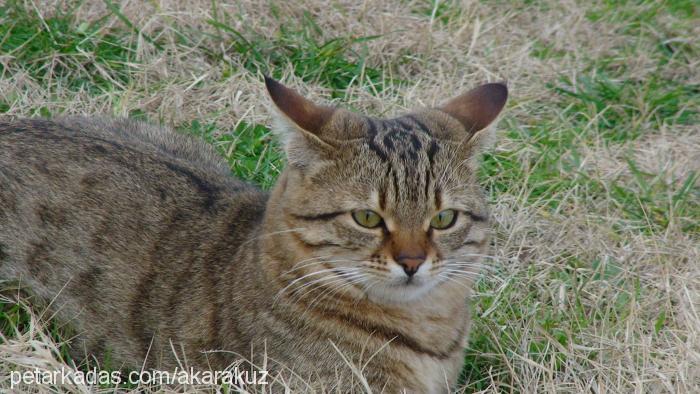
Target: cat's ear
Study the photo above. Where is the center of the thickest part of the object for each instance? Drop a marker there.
(305, 114)
(477, 108)
(299, 123)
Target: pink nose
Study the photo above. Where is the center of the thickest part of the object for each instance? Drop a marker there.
(410, 264)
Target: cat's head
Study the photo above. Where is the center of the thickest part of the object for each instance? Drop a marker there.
(387, 206)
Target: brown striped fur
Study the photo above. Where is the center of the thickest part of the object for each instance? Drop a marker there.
(142, 238)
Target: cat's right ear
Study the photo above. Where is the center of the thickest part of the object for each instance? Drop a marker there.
(299, 123)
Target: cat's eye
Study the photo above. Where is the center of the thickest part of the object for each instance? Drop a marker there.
(444, 219)
(367, 218)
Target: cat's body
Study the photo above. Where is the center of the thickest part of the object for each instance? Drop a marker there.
(142, 241)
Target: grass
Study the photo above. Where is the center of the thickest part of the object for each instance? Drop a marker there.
(79, 57)
(593, 180)
(311, 57)
(249, 149)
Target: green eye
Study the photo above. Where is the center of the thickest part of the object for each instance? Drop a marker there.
(367, 218)
(444, 219)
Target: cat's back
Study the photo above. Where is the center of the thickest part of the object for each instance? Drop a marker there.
(110, 161)
(112, 222)
(76, 190)
(96, 136)
(82, 149)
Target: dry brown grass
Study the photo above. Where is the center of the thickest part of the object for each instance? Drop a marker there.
(604, 278)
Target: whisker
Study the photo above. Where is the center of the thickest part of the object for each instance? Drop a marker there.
(449, 279)
(331, 290)
(487, 256)
(319, 280)
(468, 277)
(463, 274)
(292, 283)
(323, 261)
(469, 265)
(305, 260)
(310, 286)
(324, 294)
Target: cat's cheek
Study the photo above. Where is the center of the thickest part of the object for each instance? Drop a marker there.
(363, 241)
(448, 243)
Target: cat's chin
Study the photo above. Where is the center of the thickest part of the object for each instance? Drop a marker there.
(400, 292)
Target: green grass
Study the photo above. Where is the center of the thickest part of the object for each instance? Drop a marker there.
(15, 317)
(87, 56)
(618, 111)
(604, 106)
(12, 318)
(442, 11)
(592, 110)
(61, 50)
(331, 62)
(505, 317)
(249, 149)
(608, 107)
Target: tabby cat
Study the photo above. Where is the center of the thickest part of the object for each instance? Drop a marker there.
(363, 253)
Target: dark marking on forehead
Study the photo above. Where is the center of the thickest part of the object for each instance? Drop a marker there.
(428, 176)
(408, 148)
(386, 136)
(438, 198)
(395, 180)
(382, 205)
(371, 136)
(432, 150)
(411, 153)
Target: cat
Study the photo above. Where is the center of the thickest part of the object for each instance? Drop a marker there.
(362, 254)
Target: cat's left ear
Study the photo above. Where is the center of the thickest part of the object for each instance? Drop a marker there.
(299, 123)
(477, 108)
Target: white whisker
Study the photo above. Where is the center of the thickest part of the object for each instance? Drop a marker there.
(449, 279)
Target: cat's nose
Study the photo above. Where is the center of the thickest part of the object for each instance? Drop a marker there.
(410, 264)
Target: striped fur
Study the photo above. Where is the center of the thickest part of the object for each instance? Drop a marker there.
(142, 239)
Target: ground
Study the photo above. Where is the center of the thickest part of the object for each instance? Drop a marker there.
(594, 177)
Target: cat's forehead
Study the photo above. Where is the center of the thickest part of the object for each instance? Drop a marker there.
(408, 143)
(408, 162)
(402, 164)
(414, 128)
(406, 139)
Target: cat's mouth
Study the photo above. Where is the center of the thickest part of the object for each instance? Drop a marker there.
(401, 290)
(409, 282)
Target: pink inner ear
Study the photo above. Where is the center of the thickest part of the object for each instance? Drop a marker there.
(478, 107)
(304, 113)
